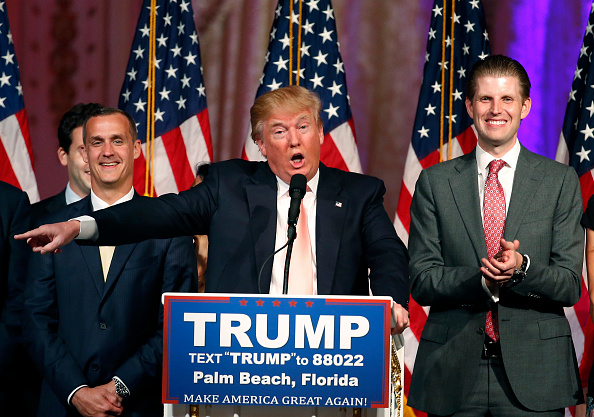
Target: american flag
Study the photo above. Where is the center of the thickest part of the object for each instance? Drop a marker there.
(16, 152)
(441, 101)
(181, 127)
(304, 50)
(575, 147)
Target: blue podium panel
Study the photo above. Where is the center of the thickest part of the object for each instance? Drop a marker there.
(276, 350)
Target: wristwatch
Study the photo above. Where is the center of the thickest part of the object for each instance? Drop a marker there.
(520, 272)
(121, 388)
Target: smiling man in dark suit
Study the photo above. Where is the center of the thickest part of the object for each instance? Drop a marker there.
(243, 206)
(496, 250)
(93, 316)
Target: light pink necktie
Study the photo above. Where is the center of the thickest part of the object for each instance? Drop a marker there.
(494, 213)
(300, 269)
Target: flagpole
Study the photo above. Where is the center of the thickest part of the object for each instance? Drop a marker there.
(291, 44)
(299, 42)
(451, 101)
(442, 92)
(150, 113)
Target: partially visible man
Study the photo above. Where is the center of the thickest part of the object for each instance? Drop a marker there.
(93, 315)
(243, 207)
(201, 241)
(18, 390)
(496, 252)
(70, 154)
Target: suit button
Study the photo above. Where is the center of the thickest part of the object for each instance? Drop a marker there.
(480, 331)
(103, 326)
(95, 367)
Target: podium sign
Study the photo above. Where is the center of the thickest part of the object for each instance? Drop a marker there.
(276, 350)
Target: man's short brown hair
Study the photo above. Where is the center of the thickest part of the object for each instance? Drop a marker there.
(293, 99)
(498, 66)
(107, 111)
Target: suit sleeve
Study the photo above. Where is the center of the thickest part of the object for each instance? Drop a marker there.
(185, 214)
(179, 275)
(17, 264)
(385, 254)
(432, 281)
(558, 278)
(40, 328)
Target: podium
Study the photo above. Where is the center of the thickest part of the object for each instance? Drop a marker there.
(258, 355)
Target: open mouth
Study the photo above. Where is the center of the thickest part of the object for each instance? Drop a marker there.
(297, 160)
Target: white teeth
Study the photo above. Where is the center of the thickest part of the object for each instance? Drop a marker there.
(110, 164)
(497, 122)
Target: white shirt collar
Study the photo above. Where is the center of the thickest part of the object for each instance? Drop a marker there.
(70, 195)
(483, 158)
(99, 204)
(283, 187)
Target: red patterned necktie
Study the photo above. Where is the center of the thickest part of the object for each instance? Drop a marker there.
(494, 219)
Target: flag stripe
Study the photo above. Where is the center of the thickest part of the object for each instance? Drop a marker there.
(344, 139)
(403, 209)
(19, 154)
(330, 154)
(174, 146)
(6, 172)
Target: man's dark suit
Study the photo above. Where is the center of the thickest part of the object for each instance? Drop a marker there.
(14, 218)
(446, 244)
(236, 206)
(49, 205)
(84, 330)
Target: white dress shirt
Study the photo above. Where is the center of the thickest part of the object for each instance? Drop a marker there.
(70, 195)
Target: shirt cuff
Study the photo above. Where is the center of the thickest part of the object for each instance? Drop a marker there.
(88, 228)
(494, 296)
(527, 262)
(74, 392)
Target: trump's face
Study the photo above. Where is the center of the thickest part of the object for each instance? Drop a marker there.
(291, 142)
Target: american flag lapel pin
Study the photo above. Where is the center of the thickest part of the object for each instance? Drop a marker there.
(338, 203)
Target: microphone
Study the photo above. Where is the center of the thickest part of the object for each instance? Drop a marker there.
(296, 192)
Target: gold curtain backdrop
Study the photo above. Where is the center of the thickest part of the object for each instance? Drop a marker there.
(72, 51)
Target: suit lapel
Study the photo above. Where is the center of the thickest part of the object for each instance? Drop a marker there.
(121, 254)
(467, 203)
(261, 194)
(330, 215)
(57, 202)
(526, 180)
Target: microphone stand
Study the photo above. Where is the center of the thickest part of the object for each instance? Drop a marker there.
(292, 234)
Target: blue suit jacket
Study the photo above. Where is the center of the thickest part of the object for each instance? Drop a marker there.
(236, 207)
(83, 330)
(19, 386)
